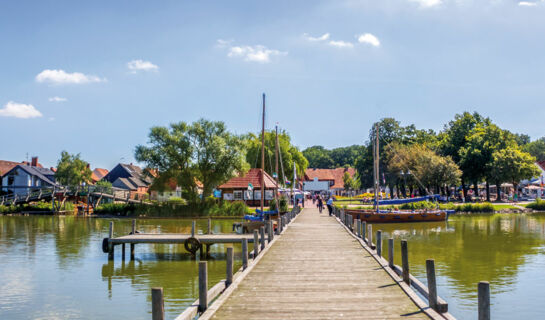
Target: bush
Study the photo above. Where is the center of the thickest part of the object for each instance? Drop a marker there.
(272, 205)
(283, 204)
(418, 205)
(476, 207)
(537, 205)
(176, 201)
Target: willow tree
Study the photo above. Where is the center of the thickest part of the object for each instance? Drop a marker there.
(186, 153)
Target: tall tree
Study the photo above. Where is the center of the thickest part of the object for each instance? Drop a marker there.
(72, 170)
(318, 157)
(454, 137)
(203, 151)
(288, 154)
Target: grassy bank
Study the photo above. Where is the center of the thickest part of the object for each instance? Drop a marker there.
(175, 209)
(32, 207)
(466, 207)
(538, 205)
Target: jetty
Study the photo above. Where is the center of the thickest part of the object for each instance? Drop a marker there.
(318, 269)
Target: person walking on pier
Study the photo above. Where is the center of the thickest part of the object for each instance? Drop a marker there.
(330, 205)
(320, 204)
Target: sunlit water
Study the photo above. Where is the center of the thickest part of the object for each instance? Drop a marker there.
(54, 268)
(508, 250)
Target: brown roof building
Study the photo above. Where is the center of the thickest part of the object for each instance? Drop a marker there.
(237, 187)
(98, 174)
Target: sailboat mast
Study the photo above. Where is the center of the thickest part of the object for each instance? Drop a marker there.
(263, 157)
(377, 173)
(276, 166)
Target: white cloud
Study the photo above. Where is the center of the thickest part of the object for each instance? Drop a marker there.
(527, 4)
(57, 99)
(427, 3)
(51, 119)
(256, 53)
(369, 39)
(19, 110)
(63, 77)
(323, 37)
(341, 44)
(141, 65)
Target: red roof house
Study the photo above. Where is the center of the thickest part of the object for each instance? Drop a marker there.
(333, 176)
(237, 187)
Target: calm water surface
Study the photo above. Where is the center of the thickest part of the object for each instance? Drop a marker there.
(54, 268)
(508, 250)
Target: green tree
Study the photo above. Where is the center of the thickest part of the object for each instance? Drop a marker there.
(72, 170)
(536, 148)
(350, 183)
(454, 137)
(477, 154)
(318, 157)
(203, 151)
(288, 154)
(512, 165)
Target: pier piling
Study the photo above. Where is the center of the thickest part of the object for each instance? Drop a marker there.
(405, 262)
(262, 237)
(256, 243)
(379, 243)
(244, 253)
(157, 304)
(432, 286)
(391, 252)
(229, 271)
(203, 286)
(484, 300)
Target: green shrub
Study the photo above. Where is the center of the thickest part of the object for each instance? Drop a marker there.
(238, 208)
(272, 205)
(537, 205)
(418, 205)
(176, 201)
(476, 207)
(283, 204)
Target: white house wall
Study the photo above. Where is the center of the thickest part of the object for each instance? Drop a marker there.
(315, 186)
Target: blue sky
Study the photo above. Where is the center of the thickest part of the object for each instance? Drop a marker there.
(93, 77)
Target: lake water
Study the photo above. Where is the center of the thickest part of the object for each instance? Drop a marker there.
(54, 268)
(508, 250)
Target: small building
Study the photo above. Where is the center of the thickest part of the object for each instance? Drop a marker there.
(130, 177)
(22, 178)
(329, 181)
(247, 188)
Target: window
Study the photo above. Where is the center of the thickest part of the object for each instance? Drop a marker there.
(237, 195)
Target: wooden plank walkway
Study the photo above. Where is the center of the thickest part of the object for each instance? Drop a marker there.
(315, 270)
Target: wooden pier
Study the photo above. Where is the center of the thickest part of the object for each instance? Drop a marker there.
(318, 270)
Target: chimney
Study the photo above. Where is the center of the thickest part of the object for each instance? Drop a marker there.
(34, 162)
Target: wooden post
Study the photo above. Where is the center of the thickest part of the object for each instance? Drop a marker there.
(363, 230)
(110, 244)
(262, 236)
(379, 243)
(209, 226)
(370, 235)
(270, 234)
(132, 250)
(133, 229)
(432, 286)
(279, 228)
(157, 304)
(405, 262)
(358, 227)
(123, 251)
(193, 224)
(203, 286)
(244, 253)
(256, 243)
(484, 300)
(391, 252)
(229, 275)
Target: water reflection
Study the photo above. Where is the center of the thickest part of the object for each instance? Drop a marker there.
(51, 259)
(468, 249)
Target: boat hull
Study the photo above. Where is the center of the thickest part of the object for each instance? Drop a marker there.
(397, 216)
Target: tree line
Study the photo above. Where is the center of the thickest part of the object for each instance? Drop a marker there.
(470, 149)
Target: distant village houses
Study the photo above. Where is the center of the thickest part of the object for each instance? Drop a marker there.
(247, 188)
(132, 178)
(329, 181)
(18, 178)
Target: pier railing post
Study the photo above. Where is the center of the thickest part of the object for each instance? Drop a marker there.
(363, 230)
(256, 244)
(370, 235)
(203, 286)
(379, 243)
(279, 227)
(262, 237)
(244, 253)
(229, 268)
(391, 252)
(133, 231)
(405, 262)
(358, 228)
(432, 286)
(209, 226)
(484, 300)
(193, 225)
(157, 304)
(110, 244)
(270, 233)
